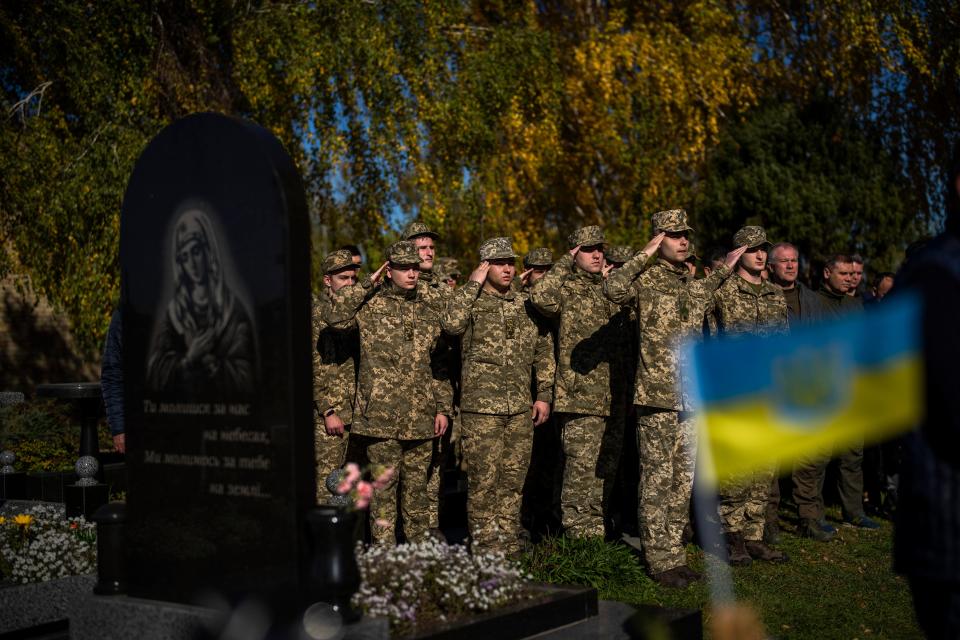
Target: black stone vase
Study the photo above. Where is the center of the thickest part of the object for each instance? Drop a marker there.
(334, 576)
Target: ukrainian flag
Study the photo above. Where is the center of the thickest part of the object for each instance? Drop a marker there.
(772, 400)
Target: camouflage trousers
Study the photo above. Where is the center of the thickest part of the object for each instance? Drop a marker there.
(743, 504)
(591, 452)
(496, 456)
(329, 452)
(415, 463)
(668, 449)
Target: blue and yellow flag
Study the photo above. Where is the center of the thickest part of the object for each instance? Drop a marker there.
(773, 400)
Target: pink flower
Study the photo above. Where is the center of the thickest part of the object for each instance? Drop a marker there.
(344, 487)
(383, 479)
(362, 503)
(364, 490)
(353, 472)
(380, 522)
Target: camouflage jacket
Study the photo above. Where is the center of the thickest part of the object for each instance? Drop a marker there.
(670, 307)
(589, 345)
(403, 382)
(740, 309)
(503, 341)
(335, 358)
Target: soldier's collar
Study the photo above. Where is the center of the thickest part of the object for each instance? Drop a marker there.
(666, 264)
(586, 275)
(426, 276)
(765, 287)
(392, 290)
(509, 295)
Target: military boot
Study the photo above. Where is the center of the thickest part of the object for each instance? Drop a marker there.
(810, 528)
(675, 578)
(771, 533)
(760, 551)
(736, 551)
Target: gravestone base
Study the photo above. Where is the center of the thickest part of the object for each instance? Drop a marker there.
(84, 501)
(13, 486)
(30, 610)
(106, 617)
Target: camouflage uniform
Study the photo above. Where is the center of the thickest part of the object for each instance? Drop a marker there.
(403, 384)
(433, 289)
(741, 308)
(335, 357)
(588, 348)
(542, 494)
(503, 340)
(670, 307)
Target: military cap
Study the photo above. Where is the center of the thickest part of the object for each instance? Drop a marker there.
(497, 249)
(404, 252)
(415, 229)
(671, 220)
(751, 236)
(587, 237)
(540, 257)
(618, 253)
(446, 267)
(692, 253)
(340, 259)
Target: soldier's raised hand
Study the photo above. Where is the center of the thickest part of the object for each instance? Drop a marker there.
(525, 276)
(734, 256)
(651, 247)
(541, 412)
(576, 250)
(480, 273)
(607, 268)
(376, 275)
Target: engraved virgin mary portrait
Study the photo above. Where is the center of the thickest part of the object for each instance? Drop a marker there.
(204, 343)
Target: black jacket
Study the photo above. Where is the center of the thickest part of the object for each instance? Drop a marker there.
(927, 542)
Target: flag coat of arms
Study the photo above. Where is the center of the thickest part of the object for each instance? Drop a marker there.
(773, 400)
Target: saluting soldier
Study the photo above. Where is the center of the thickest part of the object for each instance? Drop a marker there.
(404, 395)
(670, 306)
(335, 357)
(535, 265)
(504, 341)
(617, 255)
(748, 304)
(588, 346)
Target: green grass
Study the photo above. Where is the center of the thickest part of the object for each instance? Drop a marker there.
(842, 589)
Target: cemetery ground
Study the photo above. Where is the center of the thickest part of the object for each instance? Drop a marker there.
(842, 589)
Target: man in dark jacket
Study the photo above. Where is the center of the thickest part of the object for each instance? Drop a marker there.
(803, 307)
(111, 381)
(927, 541)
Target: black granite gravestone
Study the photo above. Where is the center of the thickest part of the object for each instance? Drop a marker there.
(215, 259)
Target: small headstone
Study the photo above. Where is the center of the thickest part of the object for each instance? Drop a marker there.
(7, 459)
(215, 264)
(13, 485)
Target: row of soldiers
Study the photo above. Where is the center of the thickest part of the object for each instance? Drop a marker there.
(581, 345)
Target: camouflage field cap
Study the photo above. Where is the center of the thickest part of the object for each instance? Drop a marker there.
(338, 260)
(691, 253)
(415, 229)
(671, 220)
(618, 253)
(404, 253)
(540, 257)
(751, 236)
(497, 249)
(587, 237)
(446, 267)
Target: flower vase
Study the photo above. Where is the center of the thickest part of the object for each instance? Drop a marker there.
(334, 576)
